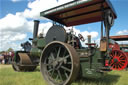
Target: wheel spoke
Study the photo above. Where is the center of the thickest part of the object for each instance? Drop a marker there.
(121, 64)
(52, 55)
(116, 65)
(50, 70)
(65, 68)
(53, 72)
(66, 56)
(58, 53)
(66, 75)
(122, 60)
(69, 62)
(120, 55)
(60, 75)
(64, 52)
(111, 64)
(115, 53)
(57, 77)
(55, 50)
(48, 64)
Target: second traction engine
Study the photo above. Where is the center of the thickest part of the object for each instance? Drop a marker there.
(119, 57)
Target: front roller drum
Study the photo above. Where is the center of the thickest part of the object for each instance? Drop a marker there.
(59, 63)
(118, 60)
(18, 66)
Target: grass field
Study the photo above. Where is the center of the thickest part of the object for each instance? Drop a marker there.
(10, 77)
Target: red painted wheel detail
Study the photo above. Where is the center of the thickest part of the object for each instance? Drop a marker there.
(118, 60)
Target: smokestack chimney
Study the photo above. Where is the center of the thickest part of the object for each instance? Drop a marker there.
(36, 25)
(89, 38)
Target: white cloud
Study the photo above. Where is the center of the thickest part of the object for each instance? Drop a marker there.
(14, 28)
(122, 42)
(122, 32)
(19, 37)
(5, 45)
(8, 39)
(44, 27)
(37, 6)
(12, 36)
(15, 23)
(93, 34)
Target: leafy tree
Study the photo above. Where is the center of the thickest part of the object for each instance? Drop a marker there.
(10, 49)
(2, 52)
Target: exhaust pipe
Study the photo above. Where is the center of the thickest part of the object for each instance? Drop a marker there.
(36, 25)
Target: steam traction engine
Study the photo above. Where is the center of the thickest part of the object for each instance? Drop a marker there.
(119, 55)
(62, 57)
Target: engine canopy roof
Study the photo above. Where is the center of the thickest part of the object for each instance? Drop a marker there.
(120, 38)
(78, 12)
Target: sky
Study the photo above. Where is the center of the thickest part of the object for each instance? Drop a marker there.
(16, 21)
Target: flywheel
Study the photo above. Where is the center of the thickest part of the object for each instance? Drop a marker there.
(59, 63)
(56, 33)
(118, 60)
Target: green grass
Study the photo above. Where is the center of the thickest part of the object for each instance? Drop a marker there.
(10, 77)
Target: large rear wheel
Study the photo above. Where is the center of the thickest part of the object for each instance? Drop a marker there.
(59, 63)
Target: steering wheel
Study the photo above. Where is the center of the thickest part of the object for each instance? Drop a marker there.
(81, 37)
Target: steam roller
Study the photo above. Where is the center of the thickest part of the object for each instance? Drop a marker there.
(28, 59)
(61, 56)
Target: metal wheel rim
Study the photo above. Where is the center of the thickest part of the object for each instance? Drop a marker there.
(15, 67)
(118, 60)
(69, 76)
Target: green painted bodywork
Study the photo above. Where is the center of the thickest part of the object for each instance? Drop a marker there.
(35, 52)
(125, 49)
(41, 43)
(38, 45)
(91, 65)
